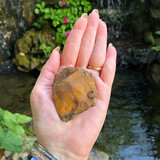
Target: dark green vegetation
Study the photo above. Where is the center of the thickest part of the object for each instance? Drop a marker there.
(156, 48)
(12, 131)
(53, 25)
(62, 16)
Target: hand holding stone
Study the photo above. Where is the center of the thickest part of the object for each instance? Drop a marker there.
(85, 46)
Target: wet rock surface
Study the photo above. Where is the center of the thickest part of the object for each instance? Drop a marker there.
(154, 72)
(16, 17)
(74, 91)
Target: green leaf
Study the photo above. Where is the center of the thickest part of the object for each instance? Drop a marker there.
(12, 142)
(43, 4)
(46, 10)
(1, 133)
(63, 27)
(19, 130)
(1, 113)
(22, 118)
(152, 40)
(12, 121)
(36, 11)
(59, 30)
(157, 48)
(60, 4)
(157, 32)
(68, 2)
(55, 23)
(28, 131)
(47, 16)
(38, 5)
(8, 118)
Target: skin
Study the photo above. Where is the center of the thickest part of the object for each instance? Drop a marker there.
(86, 45)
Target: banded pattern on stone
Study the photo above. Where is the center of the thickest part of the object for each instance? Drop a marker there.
(74, 91)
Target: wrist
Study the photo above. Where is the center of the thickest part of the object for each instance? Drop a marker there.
(64, 154)
(59, 152)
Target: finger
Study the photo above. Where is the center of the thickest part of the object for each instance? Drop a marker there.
(49, 70)
(41, 96)
(108, 71)
(72, 46)
(88, 40)
(99, 52)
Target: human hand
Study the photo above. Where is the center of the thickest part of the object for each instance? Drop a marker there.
(85, 46)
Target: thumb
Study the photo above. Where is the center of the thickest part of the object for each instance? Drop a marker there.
(41, 94)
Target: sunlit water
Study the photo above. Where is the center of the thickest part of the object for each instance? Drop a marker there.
(129, 132)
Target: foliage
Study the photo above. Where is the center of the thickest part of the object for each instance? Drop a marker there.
(47, 48)
(155, 48)
(61, 16)
(12, 131)
(142, 1)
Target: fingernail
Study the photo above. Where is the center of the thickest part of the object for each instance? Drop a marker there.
(57, 49)
(84, 15)
(95, 10)
(110, 45)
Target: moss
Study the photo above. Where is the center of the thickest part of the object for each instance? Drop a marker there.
(28, 54)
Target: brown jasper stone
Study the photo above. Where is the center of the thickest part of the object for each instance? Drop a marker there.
(74, 91)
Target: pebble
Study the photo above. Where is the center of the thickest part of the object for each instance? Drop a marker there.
(8, 153)
(21, 155)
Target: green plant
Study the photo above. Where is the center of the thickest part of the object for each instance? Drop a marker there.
(12, 132)
(47, 48)
(142, 1)
(155, 48)
(61, 16)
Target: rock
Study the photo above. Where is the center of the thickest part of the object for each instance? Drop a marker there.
(98, 155)
(156, 3)
(15, 156)
(155, 74)
(11, 26)
(3, 158)
(155, 13)
(74, 91)
(157, 41)
(49, 2)
(27, 8)
(8, 153)
(28, 54)
(158, 58)
(147, 37)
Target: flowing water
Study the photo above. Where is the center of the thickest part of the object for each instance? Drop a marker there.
(130, 131)
(113, 13)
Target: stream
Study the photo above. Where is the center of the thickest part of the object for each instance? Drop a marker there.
(130, 131)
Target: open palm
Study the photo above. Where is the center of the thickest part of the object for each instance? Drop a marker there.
(86, 45)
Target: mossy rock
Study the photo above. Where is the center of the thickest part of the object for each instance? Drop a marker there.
(27, 49)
